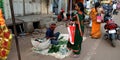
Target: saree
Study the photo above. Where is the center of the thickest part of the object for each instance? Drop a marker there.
(5, 38)
(77, 38)
(95, 31)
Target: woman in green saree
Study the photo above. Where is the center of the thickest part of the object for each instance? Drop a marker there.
(76, 47)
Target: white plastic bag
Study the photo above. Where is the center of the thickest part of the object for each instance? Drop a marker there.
(41, 45)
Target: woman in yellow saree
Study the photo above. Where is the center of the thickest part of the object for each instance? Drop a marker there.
(95, 31)
(5, 38)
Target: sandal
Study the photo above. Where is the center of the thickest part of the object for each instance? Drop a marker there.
(75, 56)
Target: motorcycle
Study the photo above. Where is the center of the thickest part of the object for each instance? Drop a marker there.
(107, 15)
(111, 32)
(107, 7)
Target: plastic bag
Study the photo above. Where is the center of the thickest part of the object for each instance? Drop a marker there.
(99, 19)
(41, 44)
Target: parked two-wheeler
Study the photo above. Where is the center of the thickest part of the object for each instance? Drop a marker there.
(111, 32)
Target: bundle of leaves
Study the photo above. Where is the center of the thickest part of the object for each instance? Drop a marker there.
(55, 48)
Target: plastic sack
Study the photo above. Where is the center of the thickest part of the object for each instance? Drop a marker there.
(40, 44)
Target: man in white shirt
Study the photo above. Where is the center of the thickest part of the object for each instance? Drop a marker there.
(88, 4)
(88, 9)
(114, 8)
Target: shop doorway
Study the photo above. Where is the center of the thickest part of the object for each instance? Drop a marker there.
(55, 6)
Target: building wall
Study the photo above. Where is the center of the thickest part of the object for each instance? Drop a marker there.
(7, 11)
(18, 7)
(62, 4)
(30, 7)
(27, 7)
(44, 6)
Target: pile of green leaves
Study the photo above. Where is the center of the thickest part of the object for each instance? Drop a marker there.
(55, 48)
(63, 42)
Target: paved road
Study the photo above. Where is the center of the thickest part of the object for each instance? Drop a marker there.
(92, 49)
